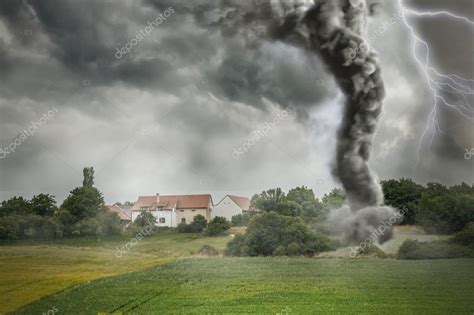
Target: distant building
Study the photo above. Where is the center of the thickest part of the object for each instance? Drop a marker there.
(124, 217)
(173, 209)
(232, 205)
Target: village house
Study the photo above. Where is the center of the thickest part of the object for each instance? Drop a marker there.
(173, 209)
(230, 206)
(124, 217)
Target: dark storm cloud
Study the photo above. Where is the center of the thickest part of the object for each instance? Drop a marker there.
(84, 37)
(203, 81)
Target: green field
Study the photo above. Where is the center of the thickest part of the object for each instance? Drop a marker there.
(30, 270)
(270, 285)
(163, 274)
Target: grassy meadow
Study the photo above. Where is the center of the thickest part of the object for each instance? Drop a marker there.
(164, 274)
(271, 285)
(30, 270)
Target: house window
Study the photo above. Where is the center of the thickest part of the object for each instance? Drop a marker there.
(145, 208)
(183, 220)
(162, 220)
(181, 210)
(193, 210)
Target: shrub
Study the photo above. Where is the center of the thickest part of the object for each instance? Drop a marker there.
(208, 250)
(14, 227)
(240, 219)
(87, 227)
(280, 251)
(182, 228)
(412, 249)
(273, 234)
(294, 249)
(445, 210)
(372, 250)
(217, 226)
(108, 223)
(466, 236)
(9, 228)
(197, 226)
(236, 246)
(145, 218)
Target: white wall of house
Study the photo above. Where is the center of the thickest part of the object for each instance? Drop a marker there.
(226, 208)
(135, 214)
(163, 218)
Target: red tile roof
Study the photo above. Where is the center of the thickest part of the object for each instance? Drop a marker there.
(120, 212)
(170, 201)
(242, 202)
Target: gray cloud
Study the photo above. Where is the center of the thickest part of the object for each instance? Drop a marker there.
(201, 83)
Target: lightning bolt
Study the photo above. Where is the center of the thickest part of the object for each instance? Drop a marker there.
(439, 84)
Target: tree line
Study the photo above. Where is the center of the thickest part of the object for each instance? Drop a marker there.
(435, 207)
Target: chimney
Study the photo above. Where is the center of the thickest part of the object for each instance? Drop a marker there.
(157, 198)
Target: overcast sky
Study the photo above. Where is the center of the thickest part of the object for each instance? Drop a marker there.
(167, 115)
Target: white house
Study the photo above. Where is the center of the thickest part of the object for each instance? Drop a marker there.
(230, 206)
(173, 209)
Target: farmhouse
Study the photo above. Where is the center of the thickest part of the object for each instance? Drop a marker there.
(173, 209)
(232, 205)
(122, 214)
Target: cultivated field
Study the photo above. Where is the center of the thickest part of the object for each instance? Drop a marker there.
(31, 270)
(167, 276)
(271, 285)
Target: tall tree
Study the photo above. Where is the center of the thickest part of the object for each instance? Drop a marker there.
(16, 205)
(334, 199)
(83, 203)
(311, 207)
(445, 210)
(275, 200)
(88, 180)
(43, 204)
(403, 194)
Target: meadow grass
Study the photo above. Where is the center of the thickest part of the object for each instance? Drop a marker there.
(30, 269)
(273, 285)
(84, 276)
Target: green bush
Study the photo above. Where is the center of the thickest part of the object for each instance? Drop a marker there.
(9, 228)
(182, 228)
(217, 226)
(466, 236)
(412, 249)
(145, 218)
(236, 247)
(240, 219)
(445, 210)
(15, 227)
(373, 251)
(197, 226)
(273, 234)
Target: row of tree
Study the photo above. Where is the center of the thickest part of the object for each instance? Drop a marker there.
(299, 202)
(437, 208)
(82, 213)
